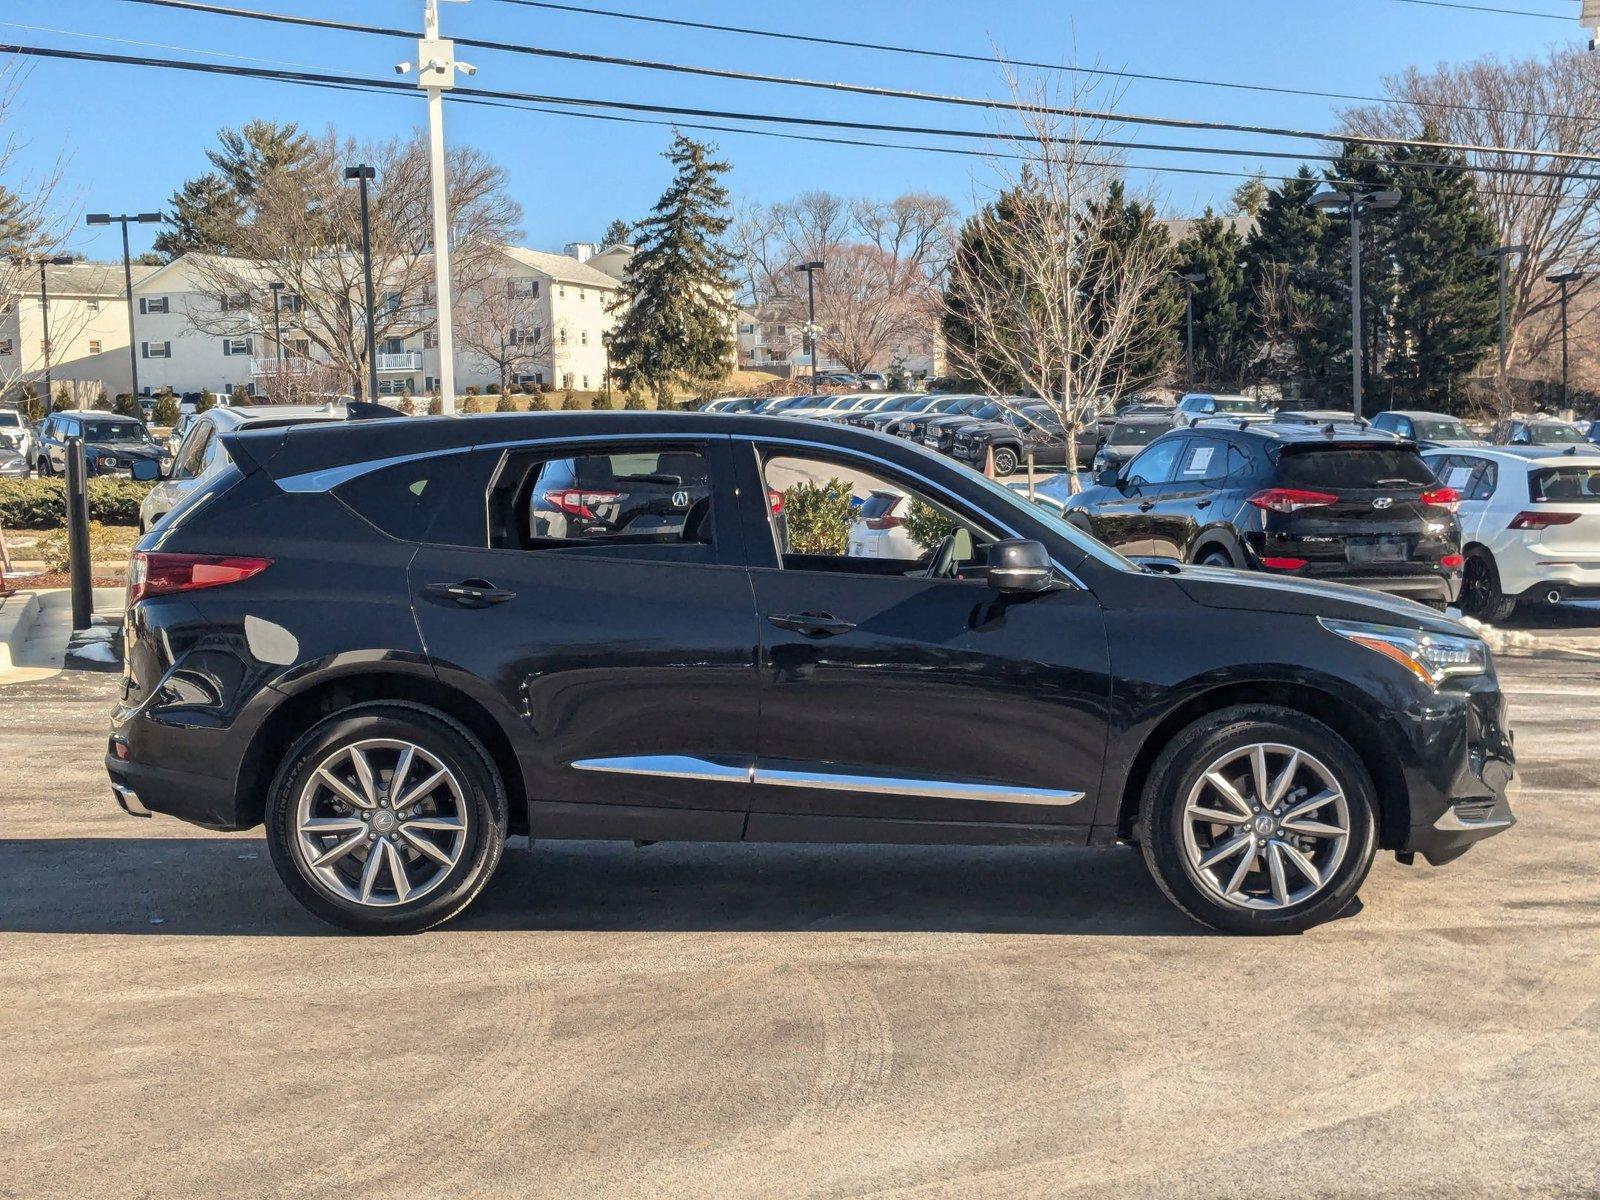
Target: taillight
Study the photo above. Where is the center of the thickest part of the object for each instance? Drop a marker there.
(884, 522)
(159, 573)
(775, 500)
(1442, 498)
(1534, 519)
(1283, 564)
(1452, 562)
(576, 502)
(1291, 500)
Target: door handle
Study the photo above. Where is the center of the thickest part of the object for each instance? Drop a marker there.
(1146, 505)
(469, 593)
(813, 625)
(1203, 504)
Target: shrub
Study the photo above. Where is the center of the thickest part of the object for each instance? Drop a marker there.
(239, 395)
(505, 404)
(205, 402)
(926, 525)
(166, 410)
(42, 503)
(435, 407)
(493, 389)
(106, 542)
(408, 405)
(128, 406)
(62, 401)
(472, 390)
(818, 517)
(570, 401)
(537, 403)
(102, 403)
(472, 404)
(547, 387)
(633, 402)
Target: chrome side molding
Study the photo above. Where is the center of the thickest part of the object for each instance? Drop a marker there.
(681, 766)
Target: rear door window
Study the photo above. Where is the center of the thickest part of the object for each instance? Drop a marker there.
(1353, 468)
(1205, 459)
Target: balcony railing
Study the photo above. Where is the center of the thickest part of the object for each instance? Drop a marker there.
(406, 360)
(298, 367)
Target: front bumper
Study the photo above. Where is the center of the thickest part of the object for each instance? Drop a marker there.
(1458, 783)
(13, 467)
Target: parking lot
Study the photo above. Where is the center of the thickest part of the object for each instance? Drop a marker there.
(794, 1021)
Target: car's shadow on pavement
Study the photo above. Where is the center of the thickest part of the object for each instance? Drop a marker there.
(227, 886)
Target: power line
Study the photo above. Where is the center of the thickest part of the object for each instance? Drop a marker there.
(1487, 8)
(990, 60)
(986, 103)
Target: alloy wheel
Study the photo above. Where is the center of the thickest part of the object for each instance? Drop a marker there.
(1265, 827)
(381, 822)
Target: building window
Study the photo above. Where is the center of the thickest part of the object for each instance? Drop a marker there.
(94, 347)
(236, 303)
(153, 304)
(6, 347)
(234, 347)
(522, 289)
(92, 305)
(156, 349)
(564, 337)
(566, 380)
(563, 291)
(390, 303)
(290, 303)
(583, 336)
(586, 383)
(523, 337)
(298, 347)
(535, 377)
(430, 339)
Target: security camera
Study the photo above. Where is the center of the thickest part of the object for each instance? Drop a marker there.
(466, 68)
(402, 68)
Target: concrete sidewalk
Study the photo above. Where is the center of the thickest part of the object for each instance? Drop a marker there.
(36, 627)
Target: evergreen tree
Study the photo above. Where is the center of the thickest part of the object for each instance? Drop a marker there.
(676, 306)
(618, 233)
(1222, 345)
(1127, 227)
(17, 234)
(1295, 289)
(249, 154)
(977, 245)
(1250, 197)
(203, 212)
(198, 217)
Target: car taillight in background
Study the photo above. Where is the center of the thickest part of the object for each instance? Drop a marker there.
(1534, 519)
(1447, 498)
(887, 521)
(576, 502)
(775, 501)
(158, 573)
(1292, 500)
(1283, 564)
(1452, 562)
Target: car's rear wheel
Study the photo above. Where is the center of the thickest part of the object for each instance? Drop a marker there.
(1259, 819)
(1215, 556)
(44, 468)
(1005, 461)
(386, 818)
(1481, 596)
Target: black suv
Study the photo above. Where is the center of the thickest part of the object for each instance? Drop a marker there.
(111, 443)
(1336, 502)
(370, 639)
(1035, 430)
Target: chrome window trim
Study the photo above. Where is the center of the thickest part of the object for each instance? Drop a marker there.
(688, 767)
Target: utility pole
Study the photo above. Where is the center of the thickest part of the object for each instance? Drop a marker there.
(59, 260)
(436, 68)
(362, 174)
(809, 270)
(1188, 349)
(1356, 203)
(1503, 255)
(277, 321)
(127, 278)
(1562, 280)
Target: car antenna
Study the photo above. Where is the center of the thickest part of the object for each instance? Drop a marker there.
(1328, 430)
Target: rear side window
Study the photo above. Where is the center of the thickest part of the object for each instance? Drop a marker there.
(1566, 485)
(1204, 459)
(402, 500)
(1353, 467)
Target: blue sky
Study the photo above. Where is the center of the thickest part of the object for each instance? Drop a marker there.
(129, 136)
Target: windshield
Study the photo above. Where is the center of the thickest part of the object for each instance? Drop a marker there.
(1137, 433)
(10, 420)
(114, 431)
(1440, 429)
(1244, 405)
(1555, 434)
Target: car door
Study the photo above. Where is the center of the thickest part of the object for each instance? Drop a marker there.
(1122, 521)
(891, 696)
(605, 612)
(1182, 505)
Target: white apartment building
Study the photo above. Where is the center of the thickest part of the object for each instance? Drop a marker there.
(770, 340)
(88, 319)
(554, 311)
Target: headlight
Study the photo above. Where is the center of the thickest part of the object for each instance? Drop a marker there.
(1431, 657)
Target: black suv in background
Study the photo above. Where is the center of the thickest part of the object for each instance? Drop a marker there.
(1428, 429)
(1133, 431)
(369, 639)
(1334, 502)
(1034, 429)
(111, 443)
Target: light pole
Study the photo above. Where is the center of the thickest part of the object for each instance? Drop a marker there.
(436, 68)
(1357, 202)
(1562, 280)
(363, 174)
(277, 321)
(809, 270)
(59, 260)
(1503, 256)
(127, 279)
(1188, 351)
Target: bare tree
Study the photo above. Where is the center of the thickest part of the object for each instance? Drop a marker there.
(499, 323)
(1549, 104)
(1055, 300)
(879, 287)
(303, 229)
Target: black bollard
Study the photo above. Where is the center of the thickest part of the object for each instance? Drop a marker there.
(78, 535)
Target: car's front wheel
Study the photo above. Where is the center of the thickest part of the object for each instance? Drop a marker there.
(1259, 819)
(386, 818)
(1005, 461)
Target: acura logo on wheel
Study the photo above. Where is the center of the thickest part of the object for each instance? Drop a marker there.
(1383, 502)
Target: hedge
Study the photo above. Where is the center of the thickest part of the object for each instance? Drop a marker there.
(42, 503)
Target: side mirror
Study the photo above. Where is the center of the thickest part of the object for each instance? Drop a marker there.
(146, 470)
(1107, 478)
(1020, 566)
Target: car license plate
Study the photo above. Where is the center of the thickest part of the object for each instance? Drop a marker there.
(1377, 550)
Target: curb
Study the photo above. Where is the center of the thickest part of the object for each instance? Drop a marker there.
(17, 614)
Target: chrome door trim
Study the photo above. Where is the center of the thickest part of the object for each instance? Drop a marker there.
(683, 766)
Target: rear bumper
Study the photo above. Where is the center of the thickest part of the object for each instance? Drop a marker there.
(141, 790)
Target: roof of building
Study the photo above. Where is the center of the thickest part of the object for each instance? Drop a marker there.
(561, 267)
(93, 279)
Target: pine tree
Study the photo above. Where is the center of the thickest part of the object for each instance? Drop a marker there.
(249, 154)
(618, 233)
(204, 210)
(1124, 226)
(677, 312)
(1294, 288)
(198, 217)
(1222, 346)
(977, 245)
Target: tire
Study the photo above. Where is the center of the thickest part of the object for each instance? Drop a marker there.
(1261, 900)
(1215, 556)
(45, 470)
(463, 818)
(1005, 461)
(1481, 596)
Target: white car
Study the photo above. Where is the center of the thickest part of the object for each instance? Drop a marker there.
(879, 528)
(16, 443)
(1197, 406)
(1530, 524)
(201, 454)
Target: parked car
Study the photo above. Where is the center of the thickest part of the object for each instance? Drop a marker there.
(1530, 526)
(1343, 504)
(938, 433)
(945, 404)
(201, 455)
(826, 406)
(873, 381)
(1427, 429)
(111, 443)
(730, 404)
(879, 402)
(878, 528)
(778, 404)
(1537, 431)
(1019, 433)
(879, 418)
(16, 443)
(1133, 431)
(360, 638)
(1196, 405)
